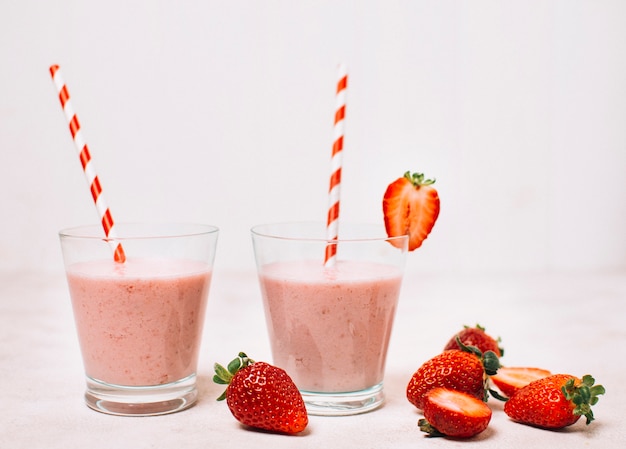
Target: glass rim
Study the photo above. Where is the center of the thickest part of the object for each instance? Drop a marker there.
(150, 230)
(257, 231)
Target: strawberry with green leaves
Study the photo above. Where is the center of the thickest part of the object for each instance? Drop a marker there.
(555, 401)
(411, 207)
(454, 414)
(464, 370)
(478, 337)
(261, 395)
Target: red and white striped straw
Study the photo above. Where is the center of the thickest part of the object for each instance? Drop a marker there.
(332, 223)
(87, 164)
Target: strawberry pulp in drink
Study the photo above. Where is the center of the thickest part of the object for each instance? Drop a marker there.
(329, 327)
(139, 323)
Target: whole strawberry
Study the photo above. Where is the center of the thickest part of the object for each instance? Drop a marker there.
(555, 401)
(477, 337)
(453, 413)
(261, 395)
(461, 370)
(411, 207)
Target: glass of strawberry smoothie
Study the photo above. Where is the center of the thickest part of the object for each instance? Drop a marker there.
(329, 324)
(139, 322)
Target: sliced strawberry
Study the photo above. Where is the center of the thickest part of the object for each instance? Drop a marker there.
(411, 207)
(453, 413)
(510, 379)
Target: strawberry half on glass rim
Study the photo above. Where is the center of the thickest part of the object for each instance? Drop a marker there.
(411, 207)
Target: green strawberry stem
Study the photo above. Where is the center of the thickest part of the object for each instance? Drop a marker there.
(583, 396)
(223, 376)
(497, 395)
(427, 427)
(417, 179)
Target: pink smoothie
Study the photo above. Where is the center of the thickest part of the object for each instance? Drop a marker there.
(330, 327)
(139, 323)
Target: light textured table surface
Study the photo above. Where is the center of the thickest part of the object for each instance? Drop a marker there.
(566, 323)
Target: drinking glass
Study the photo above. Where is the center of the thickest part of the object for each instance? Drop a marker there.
(139, 323)
(329, 324)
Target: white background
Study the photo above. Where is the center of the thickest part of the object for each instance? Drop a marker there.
(221, 112)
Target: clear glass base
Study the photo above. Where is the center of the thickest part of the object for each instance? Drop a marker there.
(141, 401)
(343, 404)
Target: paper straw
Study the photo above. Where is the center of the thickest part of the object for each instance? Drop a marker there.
(88, 167)
(332, 222)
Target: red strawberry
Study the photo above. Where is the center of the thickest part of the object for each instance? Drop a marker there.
(262, 396)
(453, 413)
(510, 379)
(477, 337)
(411, 207)
(555, 401)
(454, 369)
